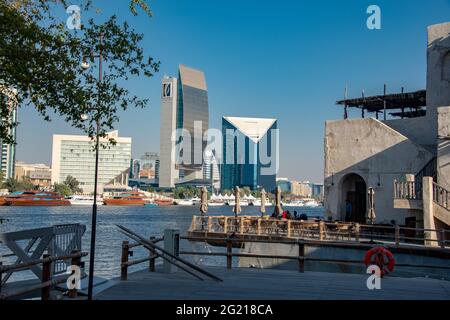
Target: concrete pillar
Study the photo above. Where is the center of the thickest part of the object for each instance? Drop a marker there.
(171, 245)
(428, 212)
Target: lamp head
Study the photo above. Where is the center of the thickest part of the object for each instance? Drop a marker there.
(85, 64)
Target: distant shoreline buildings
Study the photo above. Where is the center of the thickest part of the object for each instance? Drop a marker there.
(74, 155)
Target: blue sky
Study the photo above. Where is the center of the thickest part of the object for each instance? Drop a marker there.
(289, 60)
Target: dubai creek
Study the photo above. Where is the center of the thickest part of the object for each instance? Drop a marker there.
(147, 221)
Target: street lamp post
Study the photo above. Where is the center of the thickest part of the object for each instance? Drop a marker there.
(85, 65)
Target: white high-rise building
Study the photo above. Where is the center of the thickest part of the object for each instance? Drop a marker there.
(74, 156)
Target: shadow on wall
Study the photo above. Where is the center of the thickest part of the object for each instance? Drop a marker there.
(366, 153)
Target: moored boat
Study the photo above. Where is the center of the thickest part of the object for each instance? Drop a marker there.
(133, 198)
(164, 202)
(31, 198)
(79, 200)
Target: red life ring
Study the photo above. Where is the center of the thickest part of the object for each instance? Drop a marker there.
(382, 258)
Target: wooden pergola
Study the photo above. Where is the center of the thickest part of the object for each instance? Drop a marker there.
(404, 104)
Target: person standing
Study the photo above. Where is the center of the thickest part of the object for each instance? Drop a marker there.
(348, 210)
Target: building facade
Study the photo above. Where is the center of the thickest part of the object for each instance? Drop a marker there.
(374, 153)
(74, 155)
(168, 172)
(38, 174)
(284, 184)
(249, 153)
(301, 189)
(8, 150)
(184, 110)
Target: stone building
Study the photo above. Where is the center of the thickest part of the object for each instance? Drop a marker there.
(411, 143)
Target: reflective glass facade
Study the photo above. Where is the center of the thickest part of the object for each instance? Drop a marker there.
(245, 167)
(192, 106)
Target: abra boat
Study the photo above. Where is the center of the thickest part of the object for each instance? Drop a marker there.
(133, 198)
(78, 200)
(45, 199)
(164, 202)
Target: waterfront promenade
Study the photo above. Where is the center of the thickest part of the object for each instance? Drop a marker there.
(256, 284)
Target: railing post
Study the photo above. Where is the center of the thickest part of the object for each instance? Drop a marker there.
(321, 230)
(301, 257)
(357, 231)
(209, 224)
(289, 229)
(225, 225)
(395, 189)
(229, 254)
(124, 260)
(76, 261)
(241, 226)
(429, 193)
(151, 262)
(46, 276)
(259, 227)
(397, 235)
(442, 240)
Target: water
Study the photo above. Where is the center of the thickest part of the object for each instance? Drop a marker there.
(146, 221)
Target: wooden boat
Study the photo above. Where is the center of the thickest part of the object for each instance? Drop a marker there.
(46, 199)
(126, 199)
(164, 202)
(16, 194)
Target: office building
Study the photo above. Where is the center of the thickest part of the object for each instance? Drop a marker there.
(250, 153)
(184, 107)
(75, 156)
(284, 184)
(38, 174)
(8, 150)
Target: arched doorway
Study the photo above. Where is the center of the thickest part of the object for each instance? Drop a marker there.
(354, 191)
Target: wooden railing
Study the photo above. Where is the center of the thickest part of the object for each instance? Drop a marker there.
(409, 190)
(441, 196)
(47, 282)
(318, 230)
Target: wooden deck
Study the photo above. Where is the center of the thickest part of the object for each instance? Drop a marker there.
(260, 284)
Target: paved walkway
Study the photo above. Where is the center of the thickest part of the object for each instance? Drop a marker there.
(255, 284)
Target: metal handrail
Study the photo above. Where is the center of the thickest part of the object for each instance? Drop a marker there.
(300, 257)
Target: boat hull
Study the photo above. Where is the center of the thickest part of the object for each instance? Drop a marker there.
(123, 202)
(163, 203)
(37, 203)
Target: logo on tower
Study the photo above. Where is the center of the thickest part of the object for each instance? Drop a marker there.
(167, 90)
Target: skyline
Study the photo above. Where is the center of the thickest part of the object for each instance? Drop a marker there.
(261, 49)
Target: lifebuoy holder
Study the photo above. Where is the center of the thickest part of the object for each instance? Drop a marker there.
(381, 257)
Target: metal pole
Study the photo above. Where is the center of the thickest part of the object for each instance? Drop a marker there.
(384, 102)
(94, 208)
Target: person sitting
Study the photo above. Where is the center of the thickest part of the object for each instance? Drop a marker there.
(303, 217)
(288, 215)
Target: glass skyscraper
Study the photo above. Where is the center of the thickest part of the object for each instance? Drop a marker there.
(245, 141)
(184, 106)
(8, 150)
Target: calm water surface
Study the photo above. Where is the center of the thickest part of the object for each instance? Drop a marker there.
(146, 221)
